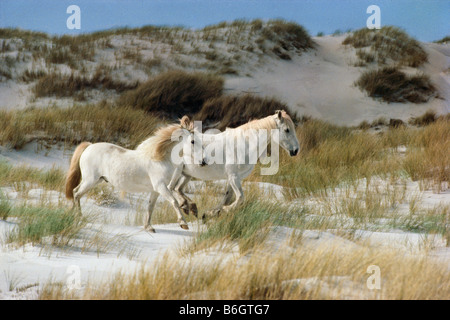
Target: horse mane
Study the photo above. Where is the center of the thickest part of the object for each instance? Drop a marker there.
(158, 146)
(267, 123)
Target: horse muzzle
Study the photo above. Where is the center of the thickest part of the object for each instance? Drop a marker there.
(293, 153)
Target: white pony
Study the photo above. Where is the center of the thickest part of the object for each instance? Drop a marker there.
(147, 169)
(235, 173)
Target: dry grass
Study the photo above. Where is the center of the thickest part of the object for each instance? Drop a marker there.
(428, 159)
(73, 85)
(427, 118)
(174, 93)
(388, 45)
(322, 273)
(288, 35)
(10, 33)
(52, 179)
(95, 123)
(392, 85)
(332, 155)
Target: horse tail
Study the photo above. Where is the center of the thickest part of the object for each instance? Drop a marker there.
(74, 174)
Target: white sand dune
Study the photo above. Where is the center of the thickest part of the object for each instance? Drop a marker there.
(318, 83)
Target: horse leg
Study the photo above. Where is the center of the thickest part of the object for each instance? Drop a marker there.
(162, 189)
(179, 196)
(183, 202)
(187, 202)
(235, 183)
(85, 185)
(151, 205)
(226, 200)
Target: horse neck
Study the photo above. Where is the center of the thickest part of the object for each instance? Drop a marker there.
(267, 124)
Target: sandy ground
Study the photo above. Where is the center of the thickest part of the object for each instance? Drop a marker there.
(38, 155)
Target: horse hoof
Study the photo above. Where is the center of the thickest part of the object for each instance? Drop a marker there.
(184, 226)
(194, 210)
(150, 229)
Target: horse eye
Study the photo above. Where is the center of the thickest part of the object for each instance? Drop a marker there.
(287, 130)
(192, 141)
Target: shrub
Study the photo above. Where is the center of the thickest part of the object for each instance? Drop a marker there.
(392, 85)
(425, 119)
(389, 43)
(365, 56)
(174, 93)
(287, 34)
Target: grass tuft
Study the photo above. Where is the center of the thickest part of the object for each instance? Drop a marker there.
(35, 224)
(174, 93)
(392, 85)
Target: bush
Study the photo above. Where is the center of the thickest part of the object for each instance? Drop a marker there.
(425, 119)
(389, 43)
(288, 34)
(174, 93)
(392, 85)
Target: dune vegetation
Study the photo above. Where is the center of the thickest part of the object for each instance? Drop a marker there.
(386, 45)
(392, 85)
(386, 52)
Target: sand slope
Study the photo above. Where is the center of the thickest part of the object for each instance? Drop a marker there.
(318, 83)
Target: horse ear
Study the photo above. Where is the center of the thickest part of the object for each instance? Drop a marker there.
(279, 113)
(185, 122)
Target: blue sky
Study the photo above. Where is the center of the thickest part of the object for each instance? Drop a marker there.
(426, 20)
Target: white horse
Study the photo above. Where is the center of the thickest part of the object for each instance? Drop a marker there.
(234, 173)
(149, 168)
